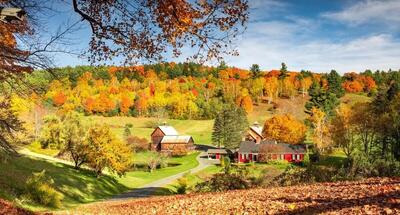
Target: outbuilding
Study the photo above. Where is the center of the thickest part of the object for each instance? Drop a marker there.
(216, 154)
(251, 151)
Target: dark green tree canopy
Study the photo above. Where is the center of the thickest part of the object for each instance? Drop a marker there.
(335, 84)
(229, 126)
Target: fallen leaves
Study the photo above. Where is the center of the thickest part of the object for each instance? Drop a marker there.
(9, 209)
(370, 196)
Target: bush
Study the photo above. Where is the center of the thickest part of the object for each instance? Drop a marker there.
(294, 175)
(137, 143)
(39, 189)
(278, 162)
(223, 182)
(182, 186)
(156, 160)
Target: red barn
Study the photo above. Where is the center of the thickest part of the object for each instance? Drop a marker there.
(166, 139)
(251, 151)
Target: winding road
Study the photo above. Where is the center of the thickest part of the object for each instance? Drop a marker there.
(150, 189)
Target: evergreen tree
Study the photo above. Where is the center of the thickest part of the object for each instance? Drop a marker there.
(127, 130)
(321, 99)
(255, 70)
(335, 84)
(284, 72)
(229, 127)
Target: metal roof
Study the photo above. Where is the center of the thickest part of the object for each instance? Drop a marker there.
(168, 130)
(257, 129)
(252, 147)
(220, 151)
(175, 139)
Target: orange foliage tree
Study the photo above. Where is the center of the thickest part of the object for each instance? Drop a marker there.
(125, 104)
(353, 86)
(59, 99)
(285, 128)
(246, 103)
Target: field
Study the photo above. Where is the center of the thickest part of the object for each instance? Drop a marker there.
(370, 196)
(81, 186)
(200, 130)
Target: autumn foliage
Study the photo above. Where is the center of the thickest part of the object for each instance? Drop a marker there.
(356, 83)
(370, 196)
(285, 128)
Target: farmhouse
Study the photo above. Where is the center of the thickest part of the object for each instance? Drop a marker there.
(166, 139)
(270, 150)
(254, 133)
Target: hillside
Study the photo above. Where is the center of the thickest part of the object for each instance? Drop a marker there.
(369, 196)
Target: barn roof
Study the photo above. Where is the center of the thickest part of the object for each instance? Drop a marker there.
(176, 139)
(252, 147)
(257, 129)
(168, 130)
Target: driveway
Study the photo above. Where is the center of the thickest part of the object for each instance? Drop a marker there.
(151, 188)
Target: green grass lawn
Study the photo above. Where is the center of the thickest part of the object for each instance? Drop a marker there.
(37, 148)
(81, 186)
(139, 178)
(77, 186)
(335, 159)
(200, 130)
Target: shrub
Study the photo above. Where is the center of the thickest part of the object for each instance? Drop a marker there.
(182, 186)
(127, 130)
(39, 189)
(227, 164)
(223, 182)
(278, 162)
(156, 160)
(137, 143)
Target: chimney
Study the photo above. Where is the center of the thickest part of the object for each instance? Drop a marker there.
(164, 123)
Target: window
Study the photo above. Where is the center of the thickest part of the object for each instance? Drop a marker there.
(293, 157)
(298, 157)
(282, 156)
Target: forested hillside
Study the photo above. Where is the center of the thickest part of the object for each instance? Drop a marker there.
(184, 91)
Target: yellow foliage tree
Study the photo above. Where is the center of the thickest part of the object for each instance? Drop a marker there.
(271, 88)
(320, 135)
(285, 128)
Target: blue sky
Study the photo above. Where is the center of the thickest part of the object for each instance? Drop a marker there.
(316, 35)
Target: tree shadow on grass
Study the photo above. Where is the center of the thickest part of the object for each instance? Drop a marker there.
(77, 186)
(333, 204)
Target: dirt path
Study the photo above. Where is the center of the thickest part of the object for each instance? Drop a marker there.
(150, 189)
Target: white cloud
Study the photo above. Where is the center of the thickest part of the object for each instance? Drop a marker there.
(369, 11)
(371, 52)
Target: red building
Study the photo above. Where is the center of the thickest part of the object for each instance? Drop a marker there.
(251, 151)
(217, 153)
(166, 139)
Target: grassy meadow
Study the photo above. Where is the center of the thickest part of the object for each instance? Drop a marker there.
(200, 130)
(80, 186)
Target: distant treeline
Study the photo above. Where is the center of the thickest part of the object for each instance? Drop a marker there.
(186, 90)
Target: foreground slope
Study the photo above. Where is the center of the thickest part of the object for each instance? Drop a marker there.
(371, 196)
